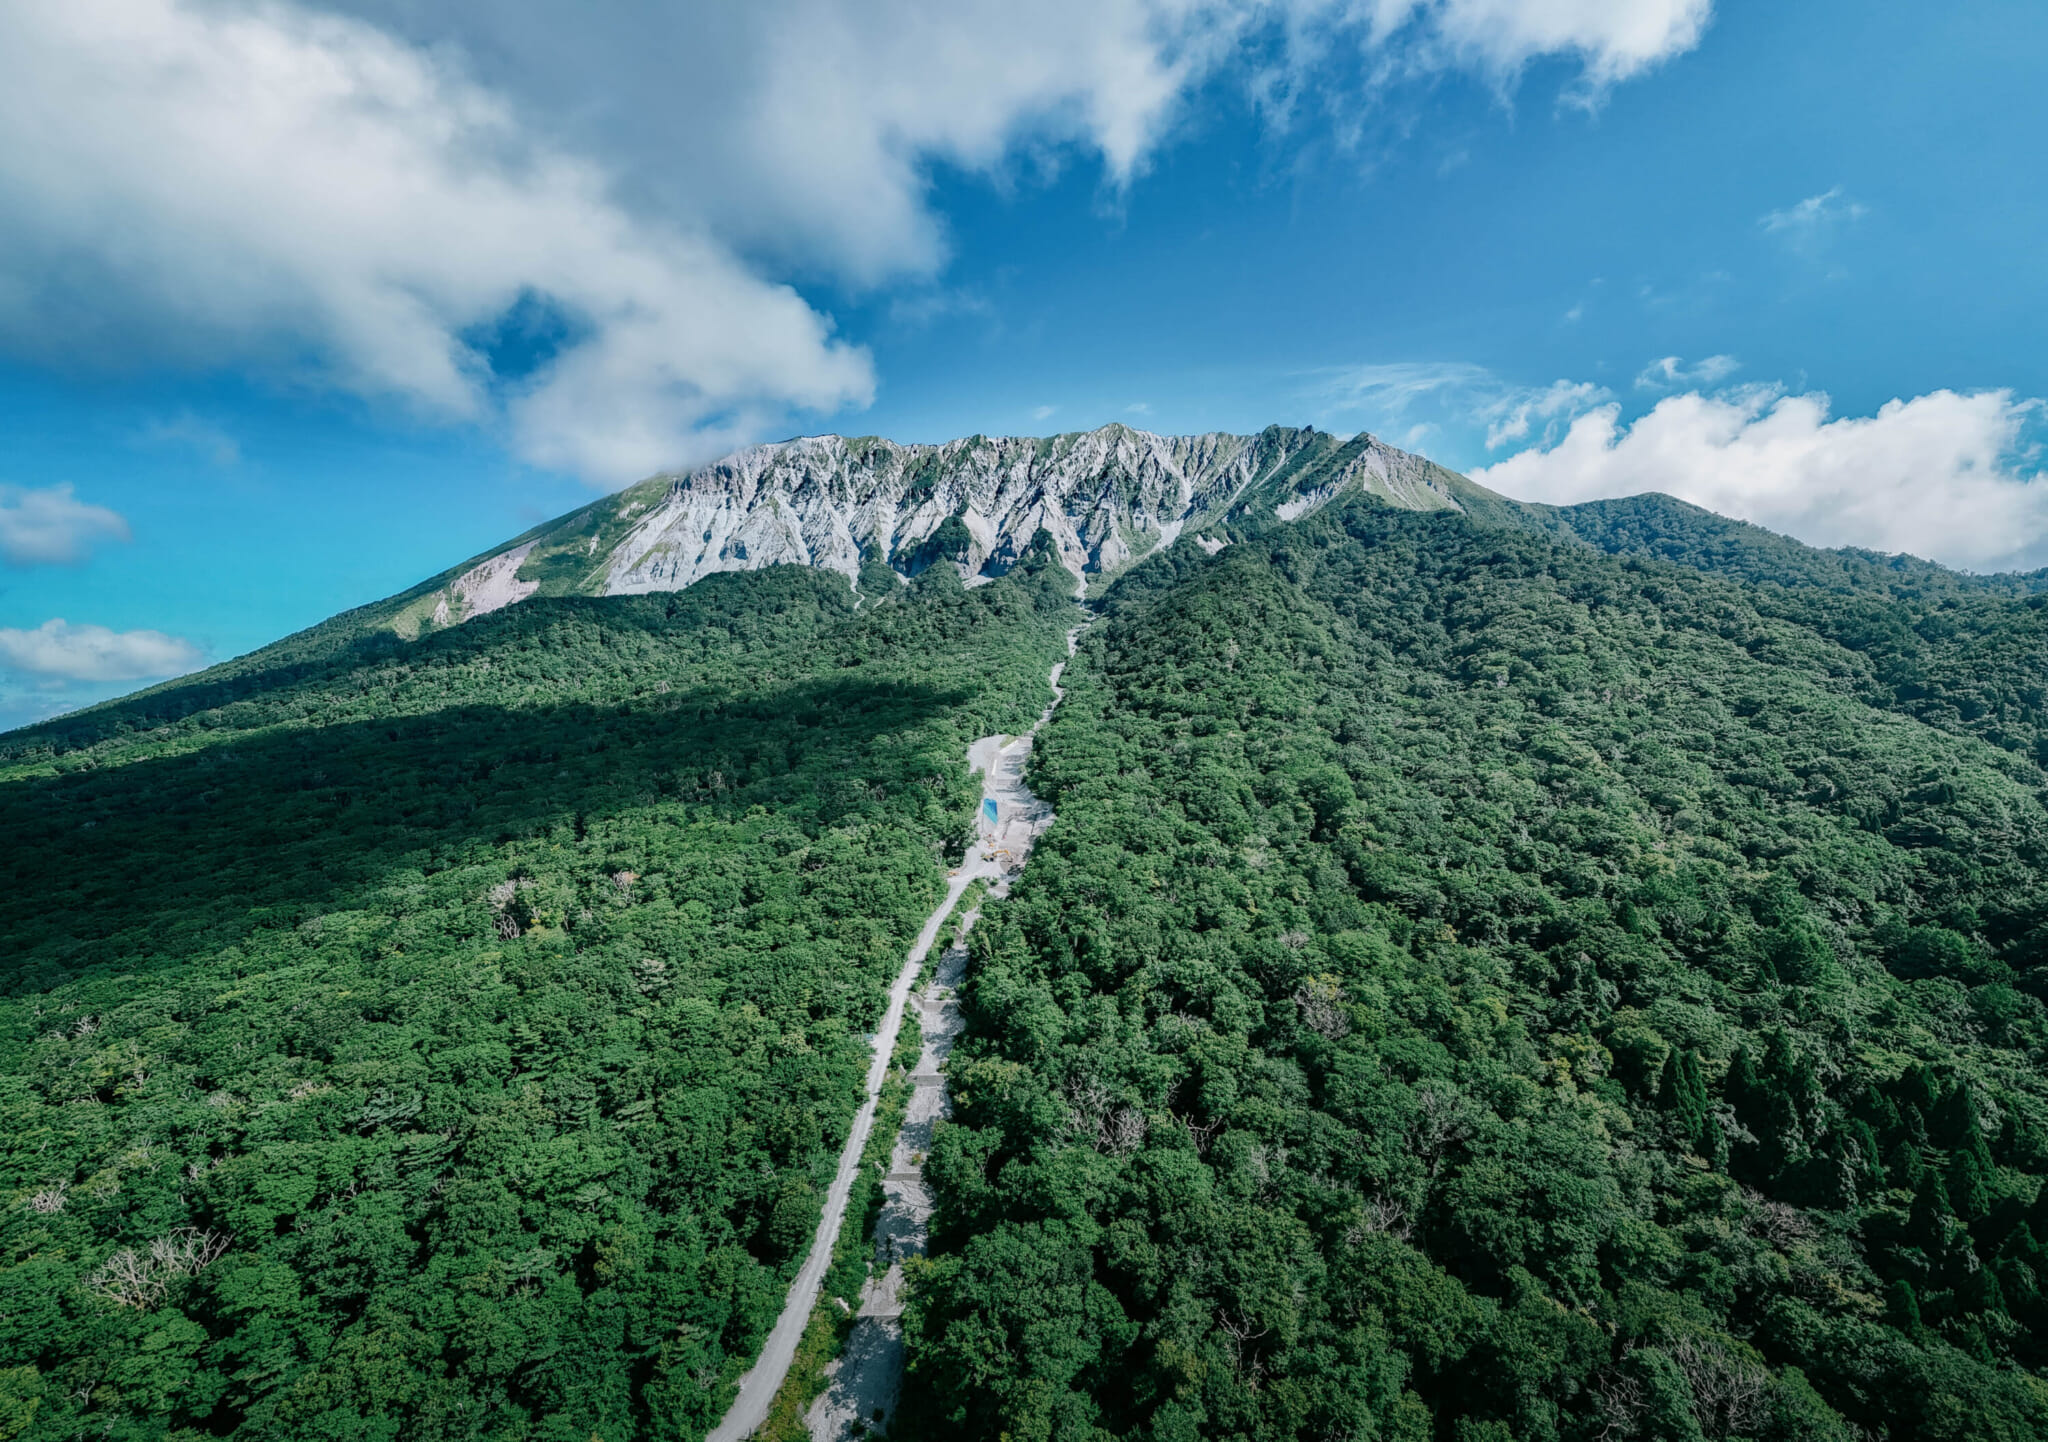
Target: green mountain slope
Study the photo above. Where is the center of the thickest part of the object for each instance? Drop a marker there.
(874, 511)
(1499, 971)
(1483, 988)
(452, 1039)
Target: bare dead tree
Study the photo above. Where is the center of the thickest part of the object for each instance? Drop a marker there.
(1124, 1130)
(1202, 1135)
(1728, 1391)
(141, 1279)
(1622, 1404)
(129, 1279)
(1382, 1214)
(1241, 1334)
(1095, 1116)
(188, 1251)
(1437, 1127)
(50, 1200)
(1321, 1000)
(1784, 1227)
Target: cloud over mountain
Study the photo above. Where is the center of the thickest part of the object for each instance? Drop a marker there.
(579, 226)
(1940, 475)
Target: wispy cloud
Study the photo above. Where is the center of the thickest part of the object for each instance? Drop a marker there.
(1424, 399)
(1808, 226)
(1040, 413)
(189, 431)
(52, 527)
(1511, 417)
(917, 309)
(1670, 373)
(61, 651)
(1393, 388)
(1138, 408)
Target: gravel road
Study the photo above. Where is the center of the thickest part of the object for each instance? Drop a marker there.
(998, 855)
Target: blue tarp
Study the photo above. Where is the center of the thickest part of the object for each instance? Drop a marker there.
(988, 810)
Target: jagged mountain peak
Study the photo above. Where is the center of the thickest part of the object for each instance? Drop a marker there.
(1106, 497)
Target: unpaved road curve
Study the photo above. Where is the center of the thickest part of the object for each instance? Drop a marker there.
(1003, 768)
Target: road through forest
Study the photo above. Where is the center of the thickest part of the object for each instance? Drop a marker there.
(997, 854)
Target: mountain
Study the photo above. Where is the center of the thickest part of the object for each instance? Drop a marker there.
(1105, 497)
(1498, 972)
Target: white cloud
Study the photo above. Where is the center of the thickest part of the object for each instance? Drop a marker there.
(256, 182)
(1511, 417)
(1040, 413)
(1612, 39)
(1940, 476)
(1808, 226)
(1394, 387)
(66, 652)
(51, 527)
(1668, 373)
(1453, 395)
(250, 181)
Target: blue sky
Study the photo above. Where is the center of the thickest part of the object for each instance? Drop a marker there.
(299, 304)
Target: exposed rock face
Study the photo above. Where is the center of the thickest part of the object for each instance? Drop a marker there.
(495, 584)
(1105, 497)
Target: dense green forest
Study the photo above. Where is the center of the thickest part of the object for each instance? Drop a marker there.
(451, 1039)
(1536, 974)
(1484, 985)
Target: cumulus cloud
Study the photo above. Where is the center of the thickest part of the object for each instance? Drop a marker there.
(61, 651)
(254, 181)
(1942, 476)
(365, 195)
(51, 527)
(1669, 373)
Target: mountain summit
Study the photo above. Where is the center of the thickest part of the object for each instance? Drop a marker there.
(1106, 497)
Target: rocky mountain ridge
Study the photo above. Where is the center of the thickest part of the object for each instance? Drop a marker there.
(1106, 497)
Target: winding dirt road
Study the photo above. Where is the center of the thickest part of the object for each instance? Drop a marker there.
(997, 855)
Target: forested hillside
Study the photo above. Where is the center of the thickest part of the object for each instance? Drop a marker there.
(450, 1039)
(1530, 974)
(1481, 988)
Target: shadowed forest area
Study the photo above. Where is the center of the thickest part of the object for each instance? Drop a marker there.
(1482, 988)
(453, 1039)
